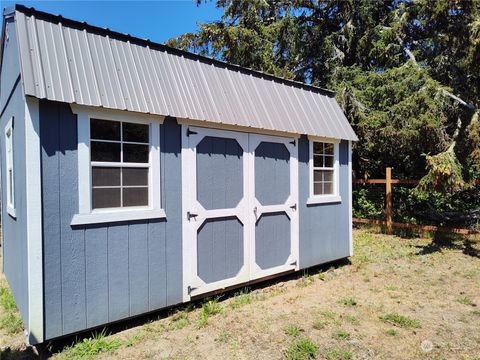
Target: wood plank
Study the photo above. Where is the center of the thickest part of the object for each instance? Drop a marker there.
(388, 188)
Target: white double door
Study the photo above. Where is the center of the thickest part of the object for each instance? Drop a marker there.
(240, 205)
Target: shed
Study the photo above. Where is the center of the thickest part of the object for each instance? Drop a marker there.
(136, 176)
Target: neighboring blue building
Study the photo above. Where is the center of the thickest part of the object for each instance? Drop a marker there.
(136, 176)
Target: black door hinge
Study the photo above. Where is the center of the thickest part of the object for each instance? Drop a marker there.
(293, 207)
(190, 289)
(294, 142)
(190, 132)
(190, 215)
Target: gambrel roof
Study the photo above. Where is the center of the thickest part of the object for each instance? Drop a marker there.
(68, 61)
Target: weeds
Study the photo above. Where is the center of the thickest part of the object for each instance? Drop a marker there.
(306, 280)
(341, 335)
(348, 302)
(392, 332)
(319, 324)
(466, 301)
(242, 298)
(10, 319)
(179, 320)
(302, 349)
(89, 348)
(209, 308)
(400, 320)
(338, 354)
(293, 330)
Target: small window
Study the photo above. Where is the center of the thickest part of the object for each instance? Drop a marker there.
(10, 172)
(323, 168)
(323, 172)
(120, 164)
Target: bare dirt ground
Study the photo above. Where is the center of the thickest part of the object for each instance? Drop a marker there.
(395, 299)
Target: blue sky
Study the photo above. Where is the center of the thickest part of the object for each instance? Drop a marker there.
(155, 20)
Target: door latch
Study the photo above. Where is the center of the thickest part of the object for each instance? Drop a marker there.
(190, 289)
(190, 215)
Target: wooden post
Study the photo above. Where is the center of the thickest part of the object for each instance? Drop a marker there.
(389, 200)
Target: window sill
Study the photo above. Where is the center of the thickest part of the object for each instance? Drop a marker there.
(11, 212)
(325, 199)
(116, 216)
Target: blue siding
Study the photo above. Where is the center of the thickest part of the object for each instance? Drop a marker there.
(102, 273)
(14, 231)
(324, 228)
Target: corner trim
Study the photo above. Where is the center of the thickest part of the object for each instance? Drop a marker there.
(350, 204)
(34, 221)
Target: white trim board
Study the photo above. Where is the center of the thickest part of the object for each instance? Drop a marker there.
(350, 210)
(34, 221)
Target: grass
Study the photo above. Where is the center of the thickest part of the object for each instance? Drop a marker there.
(392, 332)
(242, 298)
(301, 349)
(306, 280)
(209, 308)
(10, 319)
(319, 324)
(341, 335)
(89, 348)
(338, 354)
(400, 320)
(293, 330)
(179, 320)
(349, 301)
(466, 301)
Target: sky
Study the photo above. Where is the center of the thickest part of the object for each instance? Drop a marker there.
(155, 20)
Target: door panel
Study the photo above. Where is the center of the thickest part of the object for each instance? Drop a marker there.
(274, 234)
(220, 249)
(272, 240)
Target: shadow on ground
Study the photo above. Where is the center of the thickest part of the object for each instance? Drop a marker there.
(441, 242)
(24, 354)
(47, 350)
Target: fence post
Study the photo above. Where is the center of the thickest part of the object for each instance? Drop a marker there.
(389, 200)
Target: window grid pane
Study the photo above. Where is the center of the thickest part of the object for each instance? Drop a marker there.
(119, 185)
(323, 168)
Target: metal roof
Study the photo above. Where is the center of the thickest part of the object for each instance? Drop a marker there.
(68, 61)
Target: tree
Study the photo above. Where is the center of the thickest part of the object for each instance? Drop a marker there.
(406, 73)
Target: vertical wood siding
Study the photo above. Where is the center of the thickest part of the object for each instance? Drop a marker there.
(102, 273)
(324, 228)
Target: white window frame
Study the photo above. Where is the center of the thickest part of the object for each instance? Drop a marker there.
(87, 215)
(325, 198)
(10, 167)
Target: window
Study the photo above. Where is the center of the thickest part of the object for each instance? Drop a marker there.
(120, 164)
(323, 168)
(323, 172)
(10, 174)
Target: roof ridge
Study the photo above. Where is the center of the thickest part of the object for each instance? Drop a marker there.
(162, 47)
